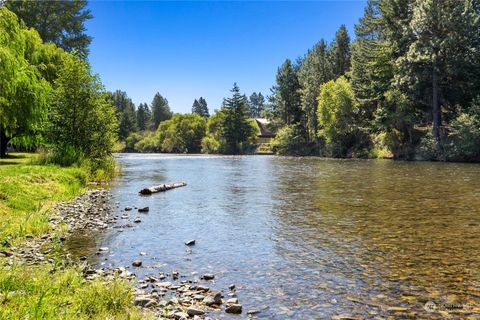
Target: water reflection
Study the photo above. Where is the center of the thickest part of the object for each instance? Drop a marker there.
(309, 238)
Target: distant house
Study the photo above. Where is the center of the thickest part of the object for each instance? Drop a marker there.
(264, 132)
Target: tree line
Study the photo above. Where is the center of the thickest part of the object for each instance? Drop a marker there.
(407, 87)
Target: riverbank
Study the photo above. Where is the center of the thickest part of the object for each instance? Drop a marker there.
(36, 280)
(42, 208)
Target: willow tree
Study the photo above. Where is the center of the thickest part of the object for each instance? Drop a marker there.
(23, 91)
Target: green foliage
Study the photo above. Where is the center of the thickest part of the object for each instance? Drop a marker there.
(132, 140)
(160, 110)
(235, 128)
(24, 94)
(200, 107)
(340, 52)
(286, 99)
(213, 141)
(82, 123)
(58, 22)
(126, 115)
(464, 138)
(144, 116)
(290, 140)
(183, 133)
(337, 110)
(256, 103)
(149, 143)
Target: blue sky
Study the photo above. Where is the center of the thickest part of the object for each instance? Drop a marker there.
(185, 50)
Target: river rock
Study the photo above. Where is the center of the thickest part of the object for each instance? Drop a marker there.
(144, 209)
(128, 208)
(137, 220)
(234, 308)
(231, 287)
(232, 301)
(137, 263)
(190, 242)
(208, 276)
(145, 302)
(213, 298)
(253, 311)
(195, 312)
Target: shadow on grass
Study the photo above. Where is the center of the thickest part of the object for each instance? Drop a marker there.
(10, 159)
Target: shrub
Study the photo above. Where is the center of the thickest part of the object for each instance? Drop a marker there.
(290, 140)
(183, 133)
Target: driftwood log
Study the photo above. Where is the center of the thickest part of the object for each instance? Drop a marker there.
(162, 187)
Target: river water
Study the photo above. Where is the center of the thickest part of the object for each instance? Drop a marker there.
(309, 238)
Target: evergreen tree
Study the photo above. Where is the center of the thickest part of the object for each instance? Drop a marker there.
(125, 113)
(200, 107)
(315, 69)
(58, 22)
(143, 117)
(442, 58)
(286, 100)
(160, 110)
(341, 52)
(236, 130)
(256, 103)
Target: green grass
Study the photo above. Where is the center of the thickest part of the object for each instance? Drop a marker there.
(28, 192)
(34, 293)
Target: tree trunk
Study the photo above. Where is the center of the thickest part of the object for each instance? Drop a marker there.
(436, 112)
(3, 143)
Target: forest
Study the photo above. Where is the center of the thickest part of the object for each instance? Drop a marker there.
(406, 87)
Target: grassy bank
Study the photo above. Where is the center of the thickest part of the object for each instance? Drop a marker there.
(55, 290)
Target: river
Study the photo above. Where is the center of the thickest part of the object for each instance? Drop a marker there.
(308, 238)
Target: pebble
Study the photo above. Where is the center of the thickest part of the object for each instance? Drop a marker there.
(128, 208)
(144, 209)
(137, 220)
(231, 287)
(232, 301)
(253, 311)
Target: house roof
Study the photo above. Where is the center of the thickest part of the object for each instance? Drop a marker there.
(263, 126)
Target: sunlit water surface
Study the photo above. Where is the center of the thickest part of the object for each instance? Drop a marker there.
(307, 238)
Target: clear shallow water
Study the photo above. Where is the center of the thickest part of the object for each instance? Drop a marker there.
(308, 238)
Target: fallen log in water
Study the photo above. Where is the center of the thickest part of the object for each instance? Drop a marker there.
(162, 187)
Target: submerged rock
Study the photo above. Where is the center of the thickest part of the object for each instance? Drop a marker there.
(195, 312)
(137, 263)
(208, 276)
(144, 209)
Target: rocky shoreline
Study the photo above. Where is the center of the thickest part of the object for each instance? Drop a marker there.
(168, 295)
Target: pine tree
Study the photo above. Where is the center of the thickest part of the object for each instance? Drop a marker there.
(235, 128)
(442, 59)
(143, 117)
(315, 69)
(341, 52)
(286, 100)
(126, 115)
(160, 110)
(200, 107)
(58, 22)
(256, 103)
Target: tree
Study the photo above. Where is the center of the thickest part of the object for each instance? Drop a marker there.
(200, 107)
(285, 94)
(81, 123)
(442, 57)
(125, 110)
(236, 130)
(341, 52)
(23, 92)
(143, 116)
(256, 103)
(315, 69)
(183, 133)
(336, 109)
(160, 110)
(58, 22)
